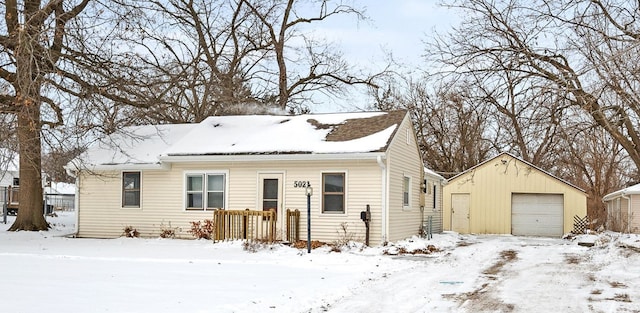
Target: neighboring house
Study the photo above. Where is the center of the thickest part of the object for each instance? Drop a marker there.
(8, 168)
(507, 195)
(60, 196)
(623, 210)
(433, 192)
(148, 177)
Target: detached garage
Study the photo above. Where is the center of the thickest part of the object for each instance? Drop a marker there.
(507, 195)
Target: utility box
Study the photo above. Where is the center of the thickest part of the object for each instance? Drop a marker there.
(365, 216)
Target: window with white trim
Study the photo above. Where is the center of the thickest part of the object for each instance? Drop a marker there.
(333, 192)
(131, 189)
(406, 187)
(205, 191)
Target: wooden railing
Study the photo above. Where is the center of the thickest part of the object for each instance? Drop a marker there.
(293, 225)
(244, 224)
(253, 225)
(12, 199)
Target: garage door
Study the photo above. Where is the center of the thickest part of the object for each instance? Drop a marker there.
(537, 215)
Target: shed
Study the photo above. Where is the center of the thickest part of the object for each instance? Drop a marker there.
(152, 176)
(623, 210)
(507, 195)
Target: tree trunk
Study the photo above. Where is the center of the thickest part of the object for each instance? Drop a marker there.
(30, 212)
(27, 102)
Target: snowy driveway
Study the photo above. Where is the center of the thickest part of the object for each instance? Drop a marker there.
(511, 274)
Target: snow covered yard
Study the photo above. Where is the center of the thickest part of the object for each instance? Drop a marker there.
(46, 272)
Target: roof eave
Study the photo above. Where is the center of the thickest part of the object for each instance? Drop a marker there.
(125, 166)
(271, 157)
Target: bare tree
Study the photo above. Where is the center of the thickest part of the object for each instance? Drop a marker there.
(593, 161)
(204, 53)
(313, 66)
(453, 129)
(31, 44)
(583, 48)
(57, 54)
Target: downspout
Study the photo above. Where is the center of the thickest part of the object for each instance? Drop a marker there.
(76, 204)
(383, 209)
(623, 196)
(76, 200)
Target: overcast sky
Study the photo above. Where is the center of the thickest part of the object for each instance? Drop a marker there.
(399, 27)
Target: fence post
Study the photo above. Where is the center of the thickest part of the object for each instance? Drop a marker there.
(5, 207)
(288, 223)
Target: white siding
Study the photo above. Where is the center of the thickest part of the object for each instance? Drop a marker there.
(434, 208)
(101, 214)
(404, 160)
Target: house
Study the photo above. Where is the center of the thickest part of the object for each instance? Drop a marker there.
(507, 195)
(623, 210)
(149, 177)
(8, 168)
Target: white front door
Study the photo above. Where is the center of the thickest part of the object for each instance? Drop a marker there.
(460, 213)
(270, 198)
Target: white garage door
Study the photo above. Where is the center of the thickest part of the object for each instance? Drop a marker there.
(537, 215)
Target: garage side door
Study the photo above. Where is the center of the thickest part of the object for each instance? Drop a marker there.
(537, 215)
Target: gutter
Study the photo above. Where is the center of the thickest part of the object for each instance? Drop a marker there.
(270, 157)
(76, 204)
(383, 209)
(623, 195)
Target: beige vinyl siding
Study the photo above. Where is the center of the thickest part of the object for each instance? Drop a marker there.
(429, 209)
(621, 217)
(162, 199)
(635, 214)
(491, 186)
(404, 160)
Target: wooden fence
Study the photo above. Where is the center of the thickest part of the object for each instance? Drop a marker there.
(253, 225)
(293, 225)
(10, 199)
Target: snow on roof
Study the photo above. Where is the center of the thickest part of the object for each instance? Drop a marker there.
(250, 134)
(432, 173)
(134, 145)
(61, 188)
(631, 190)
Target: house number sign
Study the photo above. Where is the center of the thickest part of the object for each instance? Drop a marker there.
(301, 184)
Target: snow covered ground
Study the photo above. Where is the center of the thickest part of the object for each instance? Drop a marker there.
(46, 272)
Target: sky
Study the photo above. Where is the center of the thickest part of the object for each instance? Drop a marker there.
(48, 272)
(399, 27)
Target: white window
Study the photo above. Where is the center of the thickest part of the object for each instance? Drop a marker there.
(406, 188)
(333, 192)
(205, 191)
(131, 189)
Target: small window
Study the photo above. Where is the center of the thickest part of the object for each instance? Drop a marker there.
(205, 191)
(333, 192)
(406, 185)
(131, 189)
(435, 201)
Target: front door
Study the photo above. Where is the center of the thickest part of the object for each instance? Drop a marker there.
(460, 213)
(270, 198)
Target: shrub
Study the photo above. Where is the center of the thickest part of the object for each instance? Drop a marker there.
(167, 231)
(344, 236)
(202, 230)
(131, 232)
